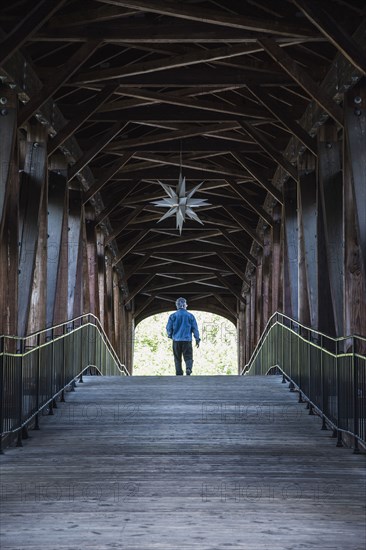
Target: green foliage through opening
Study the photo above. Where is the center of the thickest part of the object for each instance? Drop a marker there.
(217, 353)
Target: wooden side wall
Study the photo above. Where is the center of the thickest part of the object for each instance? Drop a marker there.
(316, 250)
(54, 265)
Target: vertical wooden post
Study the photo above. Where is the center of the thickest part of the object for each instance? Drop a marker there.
(253, 297)
(101, 275)
(60, 308)
(259, 297)
(91, 243)
(9, 215)
(57, 193)
(109, 294)
(116, 336)
(276, 261)
(291, 256)
(354, 282)
(247, 327)
(32, 227)
(331, 197)
(74, 227)
(355, 131)
(267, 272)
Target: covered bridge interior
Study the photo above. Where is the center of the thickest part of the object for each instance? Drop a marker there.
(246, 119)
(265, 105)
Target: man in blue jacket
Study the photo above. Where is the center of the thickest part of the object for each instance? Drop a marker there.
(181, 325)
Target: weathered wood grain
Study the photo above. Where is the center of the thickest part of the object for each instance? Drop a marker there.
(175, 462)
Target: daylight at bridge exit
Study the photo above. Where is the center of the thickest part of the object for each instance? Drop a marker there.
(183, 274)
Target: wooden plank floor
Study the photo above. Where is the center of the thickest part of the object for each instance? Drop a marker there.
(182, 463)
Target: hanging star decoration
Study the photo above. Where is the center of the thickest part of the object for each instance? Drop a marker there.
(180, 203)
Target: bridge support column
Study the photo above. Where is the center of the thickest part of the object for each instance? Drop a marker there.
(33, 231)
(9, 213)
(291, 257)
(354, 211)
(331, 228)
(57, 253)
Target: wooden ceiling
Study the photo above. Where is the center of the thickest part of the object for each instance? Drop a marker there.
(231, 91)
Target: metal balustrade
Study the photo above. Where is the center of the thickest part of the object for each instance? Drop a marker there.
(36, 369)
(329, 373)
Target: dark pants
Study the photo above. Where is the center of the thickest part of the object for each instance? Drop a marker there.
(183, 348)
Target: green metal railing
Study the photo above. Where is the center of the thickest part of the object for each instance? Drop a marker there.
(36, 369)
(329, 373)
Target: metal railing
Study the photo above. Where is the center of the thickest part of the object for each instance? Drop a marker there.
(329, 373)
(36, 369)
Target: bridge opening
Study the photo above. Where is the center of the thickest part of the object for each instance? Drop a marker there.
(217, 354)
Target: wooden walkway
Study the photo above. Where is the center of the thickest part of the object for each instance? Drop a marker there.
(182, 463)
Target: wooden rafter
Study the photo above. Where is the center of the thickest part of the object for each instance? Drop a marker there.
(325, 23)
(303, 79)
(191, 13)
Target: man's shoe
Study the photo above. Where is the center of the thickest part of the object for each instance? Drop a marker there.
(189, 372)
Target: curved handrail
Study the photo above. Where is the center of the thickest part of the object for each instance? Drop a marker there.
(69, 323)
(330, 377)
(274, 319)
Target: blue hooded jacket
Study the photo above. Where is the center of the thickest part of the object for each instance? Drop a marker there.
(181, 325)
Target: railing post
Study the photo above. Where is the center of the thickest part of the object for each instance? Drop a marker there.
(36, 425)
(356, 450)
(52, 403)
(20, 395)
(324, 426)
(338, 386)
(2, 400)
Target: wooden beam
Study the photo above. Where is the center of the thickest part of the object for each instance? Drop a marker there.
(288, 122)
(178, 240)
(192, 13)
(242, 223)
(308, 233)
(225, 283)
(252, 204)
(33, 184)
(84, 113)
(226, 306)
(234, 268)
(109, 173)
(290, 281)
(58, 79)
(210, 130)
(28, 26)
(354, 301)
(304, 80)
(91, 250)
(331, 195)
(89, 155)
(143, 306)
(269, 149)
(57, 210)
(124, 224)
(8, 132)
(171, 62)
(255, 172)
(157, 98)
(137, 266)
(239, 247)
(186, 163)
(137, 290)
(355, 126)
(107, 211)
(9, 235)
(130, 246)
(340, 39)
(74, 241)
